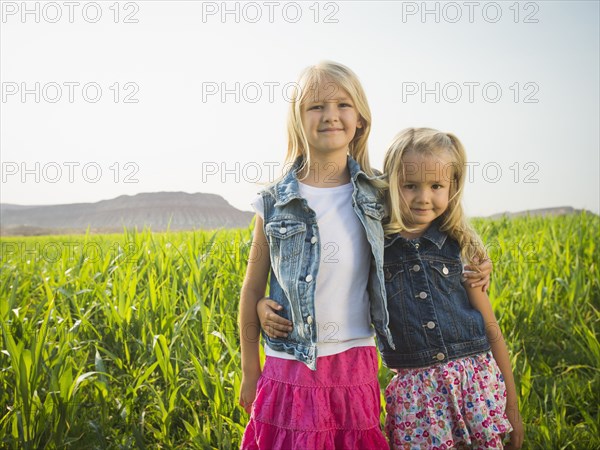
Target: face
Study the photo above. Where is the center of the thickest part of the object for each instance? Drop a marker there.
(330, 119)
(426, 188)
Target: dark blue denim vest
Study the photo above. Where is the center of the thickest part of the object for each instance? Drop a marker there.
(295, 251)
(431, 318)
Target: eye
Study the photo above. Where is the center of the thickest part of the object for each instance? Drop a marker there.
(437, 186)
(408, 186)
(345, 105)
(314, 107)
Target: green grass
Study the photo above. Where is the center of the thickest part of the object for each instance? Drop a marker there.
(130, 341)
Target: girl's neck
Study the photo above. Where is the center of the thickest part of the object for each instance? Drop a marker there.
(326, 170)
(416, 234)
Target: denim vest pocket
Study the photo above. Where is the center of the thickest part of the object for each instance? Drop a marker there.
(394, 283)
(286, 240)
(286, 243)
(446, 276)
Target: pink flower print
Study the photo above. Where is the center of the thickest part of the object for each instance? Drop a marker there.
(407, 405)
(401, 426)
(492, 412)
(478, 435)
(425, 433)
(436, 398)
(449, 442)
(456, 381)
(445, 373)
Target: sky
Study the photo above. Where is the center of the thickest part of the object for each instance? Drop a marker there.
(101, 99)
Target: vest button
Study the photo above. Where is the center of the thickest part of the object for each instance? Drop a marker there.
(416, 267)
(388, 275)
(308, 278)
(440, 356)
(313, 240)
(430, 325)
(283, 230)
(445, 270)
(309, 320)
(417, 245)
(423, 295)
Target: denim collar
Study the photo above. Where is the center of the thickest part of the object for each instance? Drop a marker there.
(287, 188)
(432, 234)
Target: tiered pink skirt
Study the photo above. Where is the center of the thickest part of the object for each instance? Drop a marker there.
(335, 407)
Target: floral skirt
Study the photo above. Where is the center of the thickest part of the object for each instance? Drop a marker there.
(335, 407)
(458, 404)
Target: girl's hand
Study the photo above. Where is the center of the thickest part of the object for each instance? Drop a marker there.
(248, 391)
(518, 433)
(479, 275)
(273, 324)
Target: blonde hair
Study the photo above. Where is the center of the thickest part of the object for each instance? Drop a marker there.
(310, 79)
(430, 142)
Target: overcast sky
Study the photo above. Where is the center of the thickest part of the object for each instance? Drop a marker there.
(104, 99)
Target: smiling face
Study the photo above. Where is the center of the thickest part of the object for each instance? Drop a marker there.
(329, 119)
(425, 188)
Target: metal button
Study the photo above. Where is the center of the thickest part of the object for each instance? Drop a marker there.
(388, 274)
(430, 325)
(313, 240)
(423, 295)
(416, 267)
(309, 320)
(417, 245)
(283, 230)
(440, 356)
(445, 270)
(308, 278)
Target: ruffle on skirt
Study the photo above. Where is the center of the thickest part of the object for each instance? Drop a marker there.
(335, 407)
(454, 405)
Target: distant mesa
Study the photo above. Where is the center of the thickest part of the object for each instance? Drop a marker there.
(158, 211)
(543, 212)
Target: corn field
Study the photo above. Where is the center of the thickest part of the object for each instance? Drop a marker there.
(130, 341)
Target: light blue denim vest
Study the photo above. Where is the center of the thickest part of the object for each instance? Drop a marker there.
(295, 251)
(430, 313)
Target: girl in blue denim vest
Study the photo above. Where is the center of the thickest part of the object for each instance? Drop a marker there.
(318, 234)
(454, 386)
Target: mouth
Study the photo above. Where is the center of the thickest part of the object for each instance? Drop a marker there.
(330, 130)
(420, 211)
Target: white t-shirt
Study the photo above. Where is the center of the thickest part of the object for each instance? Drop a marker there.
(342, 312)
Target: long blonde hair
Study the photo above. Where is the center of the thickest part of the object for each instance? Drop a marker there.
(426, 142)
(310, 79)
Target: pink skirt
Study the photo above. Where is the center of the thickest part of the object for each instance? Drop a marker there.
(454, 405)
(335, 407)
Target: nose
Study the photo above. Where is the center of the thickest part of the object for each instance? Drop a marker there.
(422, 196)
(330, 113)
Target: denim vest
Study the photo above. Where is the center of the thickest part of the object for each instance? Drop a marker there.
(431, 318)
(293, 235)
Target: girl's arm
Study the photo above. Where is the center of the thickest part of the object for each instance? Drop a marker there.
(253, 289)
(481, 302)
